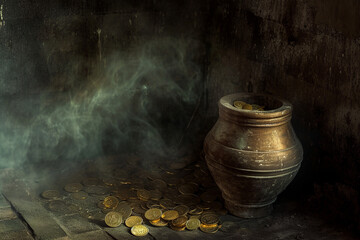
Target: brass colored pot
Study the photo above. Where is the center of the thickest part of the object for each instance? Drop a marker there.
(252, 155)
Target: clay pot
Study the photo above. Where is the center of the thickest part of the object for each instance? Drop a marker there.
(252, 155)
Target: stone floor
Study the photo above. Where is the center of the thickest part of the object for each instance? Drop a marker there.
(23, 217)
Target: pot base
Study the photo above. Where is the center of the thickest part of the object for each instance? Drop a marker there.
(249, 211)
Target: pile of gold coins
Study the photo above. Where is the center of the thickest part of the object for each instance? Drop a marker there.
(181, 197)
(246, 106)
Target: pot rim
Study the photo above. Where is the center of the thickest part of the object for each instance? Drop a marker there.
(226, 103)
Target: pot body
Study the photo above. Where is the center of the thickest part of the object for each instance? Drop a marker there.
(252, 155)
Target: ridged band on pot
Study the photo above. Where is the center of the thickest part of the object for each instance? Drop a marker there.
(252, 155)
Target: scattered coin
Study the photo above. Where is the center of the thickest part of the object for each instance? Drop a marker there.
(153, 214)
(124, 209)
(79, 195)
(209, 219)
(209, 228)
(143, 194)
(159, 223)
(50, 194)
(182, 209)
(188, 188)
(73, 187)
(192, 224)
(113, 219)
(139, 230)
(167, 203)
(179, 222)
(111, 202)
(133, 220)
(170, 215)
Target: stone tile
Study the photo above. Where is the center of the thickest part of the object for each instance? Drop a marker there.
(76, 224)
(7, 213)
(43, 225)
(3, 202)
(95, 235)
(123, 232)
(11, 225)
(16, 235)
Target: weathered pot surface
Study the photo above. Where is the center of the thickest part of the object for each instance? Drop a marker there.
(252, 155)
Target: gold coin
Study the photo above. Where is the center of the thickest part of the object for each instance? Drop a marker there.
(159, 223)
(179, 222)
(133, 220)
(213, 228)
(124, 209)
(177, 228)
(167, 203)
(170, 215)
(139, 230)
(143, 194)
(138, 209)
(155, 195)
(193, 224)
(247, 106)
(79, 195)
(239, 104)
(50, 194)
(196, 211)
(159, 184)
(73, 187)
(188, 188)
(111, 202)
(257, 107)
(182, 209)
(153, 214)
(113, 219)
(209, 219)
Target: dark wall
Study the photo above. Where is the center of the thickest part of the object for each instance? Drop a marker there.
(307, 52)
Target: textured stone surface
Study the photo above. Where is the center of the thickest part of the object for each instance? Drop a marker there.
(16, 235)
(7, 213)
(43, 225)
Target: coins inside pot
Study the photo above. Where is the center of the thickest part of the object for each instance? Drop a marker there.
(133, 220)
(193, 224)
(239, 104)
(113, 219)
(170, 215)
(73, 187)
(153, 214)
(50, 194)
(139, 230)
